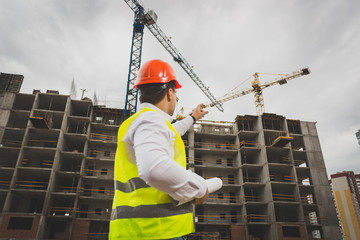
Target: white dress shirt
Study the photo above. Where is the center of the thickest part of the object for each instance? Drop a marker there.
(151, 147)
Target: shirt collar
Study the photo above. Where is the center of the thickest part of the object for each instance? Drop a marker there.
(153, 107)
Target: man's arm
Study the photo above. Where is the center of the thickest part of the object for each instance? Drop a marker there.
(152, 144)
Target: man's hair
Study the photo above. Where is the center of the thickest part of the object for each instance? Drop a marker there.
(154, 92)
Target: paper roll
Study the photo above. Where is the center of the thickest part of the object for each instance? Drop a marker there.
(214, 184)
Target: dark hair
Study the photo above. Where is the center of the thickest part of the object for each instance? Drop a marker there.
(154, 92)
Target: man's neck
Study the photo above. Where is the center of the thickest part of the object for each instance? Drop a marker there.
(164, 106)
(154, 107)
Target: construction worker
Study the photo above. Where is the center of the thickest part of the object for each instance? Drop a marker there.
(153, 190)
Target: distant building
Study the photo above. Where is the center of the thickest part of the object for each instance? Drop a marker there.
(346, 188)
(357, 179)
(358, 136)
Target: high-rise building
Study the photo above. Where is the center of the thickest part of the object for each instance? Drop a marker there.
(56, 173)
(357, 179)
(345, 186)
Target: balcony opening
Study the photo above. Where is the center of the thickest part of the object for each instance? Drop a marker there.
(20, 223)
(57, 227)
(294, 126)
(246, 123)
(291, 231)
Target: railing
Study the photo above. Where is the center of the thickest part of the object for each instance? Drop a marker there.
(284, 197)
(217, 146)
(11, 143)
(42, 143)
(229, 218)
(4, 184)
(91, 192)
(220, 130)
(103, 137)
(222, 199)
(224, 145)
(62, 211)
(280, 178)
(71, 211)
(205, 235)
(43, 163)
(221, 218)
(281, 160)
(99, 173)
(224, 162)
(251, 198)
(95, 214)
(251, 218)
(309, 199)
(249, 144)
(97, 236)
(38, 185)
(251, 179)
(105, 154)
(67, 189)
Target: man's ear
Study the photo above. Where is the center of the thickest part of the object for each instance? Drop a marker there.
(168, 95)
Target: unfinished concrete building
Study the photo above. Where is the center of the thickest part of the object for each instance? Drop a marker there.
(56, 173)
(56, 166)
(275, 180)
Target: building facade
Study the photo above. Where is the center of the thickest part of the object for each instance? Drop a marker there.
(56, 173)
(345, 186)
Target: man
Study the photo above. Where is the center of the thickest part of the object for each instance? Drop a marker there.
(153, 190)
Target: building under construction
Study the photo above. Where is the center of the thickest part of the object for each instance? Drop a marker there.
(56, 173)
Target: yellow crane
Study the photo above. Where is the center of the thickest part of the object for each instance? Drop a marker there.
(257, 89)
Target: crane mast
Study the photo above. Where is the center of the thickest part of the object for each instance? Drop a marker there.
(149, 20)
(135, 58)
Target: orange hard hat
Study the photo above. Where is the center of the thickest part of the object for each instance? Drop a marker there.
(156, 71)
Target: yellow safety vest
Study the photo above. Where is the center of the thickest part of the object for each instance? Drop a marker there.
(140, 211)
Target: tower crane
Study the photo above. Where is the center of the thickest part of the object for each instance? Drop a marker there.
(257, 89)
(148, 18)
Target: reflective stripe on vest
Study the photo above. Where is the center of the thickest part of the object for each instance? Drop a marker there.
(140, 211)
(131, 185)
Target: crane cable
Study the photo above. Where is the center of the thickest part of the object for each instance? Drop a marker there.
(237, 87)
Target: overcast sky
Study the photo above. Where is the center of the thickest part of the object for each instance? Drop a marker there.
(51, 42)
